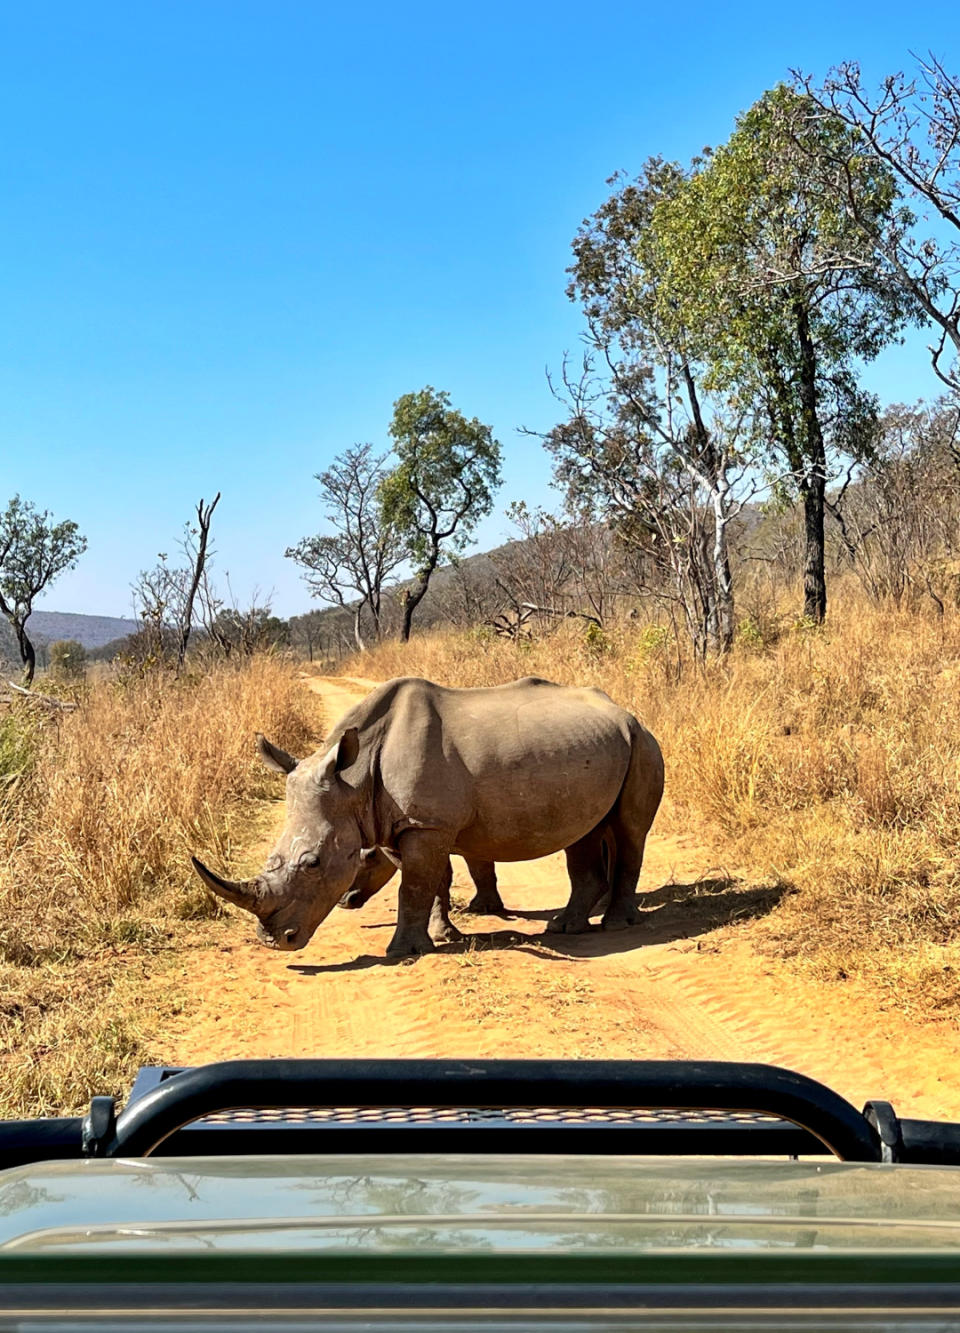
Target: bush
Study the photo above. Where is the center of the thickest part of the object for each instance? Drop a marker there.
(68, 659)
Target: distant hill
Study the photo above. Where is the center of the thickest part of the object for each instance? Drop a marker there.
(91, 631)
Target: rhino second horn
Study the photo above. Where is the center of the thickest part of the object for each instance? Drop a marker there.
(242, 893)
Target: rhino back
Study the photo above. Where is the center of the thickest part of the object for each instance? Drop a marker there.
(512, 772)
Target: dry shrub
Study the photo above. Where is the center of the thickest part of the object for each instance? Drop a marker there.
(827, 758)
(95, 838)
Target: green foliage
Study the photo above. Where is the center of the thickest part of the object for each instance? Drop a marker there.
(19, 738)
(34, 551)
(68, 659)
(481, 635)
(596, 640)
(447, 472)
(805, 626)
(750, 634)
(651, 643)
(752, 246)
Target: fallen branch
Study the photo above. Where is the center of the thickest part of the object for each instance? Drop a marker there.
(563, 615)
(65, 705)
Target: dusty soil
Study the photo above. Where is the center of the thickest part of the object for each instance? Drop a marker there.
(686, 983)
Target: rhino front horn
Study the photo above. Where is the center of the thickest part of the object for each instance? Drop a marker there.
(242, 893)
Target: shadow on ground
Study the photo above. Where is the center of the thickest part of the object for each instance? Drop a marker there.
(673, 912)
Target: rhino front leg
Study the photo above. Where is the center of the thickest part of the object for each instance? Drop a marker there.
(424, 871)
(440, 928)
(486, 901)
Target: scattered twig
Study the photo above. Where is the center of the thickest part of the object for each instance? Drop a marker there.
(65, 705)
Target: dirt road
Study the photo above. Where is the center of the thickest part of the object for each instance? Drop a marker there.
(683, 984)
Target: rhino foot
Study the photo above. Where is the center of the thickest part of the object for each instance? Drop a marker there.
(621, 915)
(486, 903)
(410, 944)
(567, 923)
(446, 933)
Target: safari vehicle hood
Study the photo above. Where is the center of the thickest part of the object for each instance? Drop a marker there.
(514, 1210)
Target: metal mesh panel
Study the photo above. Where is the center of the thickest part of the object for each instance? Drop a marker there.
(474, 1115)
(514, 1115)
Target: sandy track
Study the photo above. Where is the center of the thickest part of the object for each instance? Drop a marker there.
(683, 984)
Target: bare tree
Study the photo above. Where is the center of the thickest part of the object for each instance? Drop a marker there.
(669, 486)
(196, 546)
(560, 565)
(351, 566)
(465, 595)
(899, 514)
(167, 597)
(912, 126)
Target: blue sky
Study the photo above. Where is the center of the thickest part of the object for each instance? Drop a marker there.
(233, 234)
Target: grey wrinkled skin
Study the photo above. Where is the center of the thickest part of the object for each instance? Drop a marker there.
(418, 772)
(378, 867)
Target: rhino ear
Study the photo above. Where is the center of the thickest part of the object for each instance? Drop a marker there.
(347, 750)
(274, 757)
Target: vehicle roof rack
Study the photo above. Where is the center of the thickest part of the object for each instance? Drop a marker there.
(643, 1107)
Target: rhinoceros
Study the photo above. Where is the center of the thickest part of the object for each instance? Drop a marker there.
(507, 773)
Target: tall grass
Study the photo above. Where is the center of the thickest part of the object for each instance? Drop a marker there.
(828, 760)
(100, 811)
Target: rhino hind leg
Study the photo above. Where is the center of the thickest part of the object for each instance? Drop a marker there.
(486, 901)
(630, 822)
(588, 883)
(622, 909)
(424, 871)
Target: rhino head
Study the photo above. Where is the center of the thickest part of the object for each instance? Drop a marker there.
(316, 859)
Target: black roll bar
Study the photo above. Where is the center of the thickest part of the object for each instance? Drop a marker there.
(630, 1108)
(185, 1097)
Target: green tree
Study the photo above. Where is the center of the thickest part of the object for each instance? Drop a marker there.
(34, 551)
(447, 471)
(68, 659)
(786, 294)
(661, 457)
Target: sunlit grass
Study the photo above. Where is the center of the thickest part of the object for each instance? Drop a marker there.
(96, 892)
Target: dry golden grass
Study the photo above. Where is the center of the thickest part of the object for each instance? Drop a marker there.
(828, 761)
(100, 812)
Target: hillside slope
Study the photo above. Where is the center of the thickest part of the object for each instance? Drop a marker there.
(91, 631)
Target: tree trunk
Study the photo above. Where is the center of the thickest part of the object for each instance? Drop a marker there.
(709, 590)
(27, 655)
(814, 485)
(204, 515)
(411, 598)
(356, 628)
(814, 575)
(724, 585)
